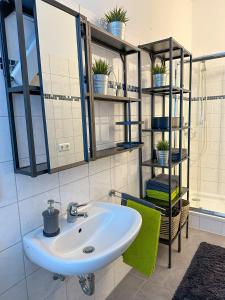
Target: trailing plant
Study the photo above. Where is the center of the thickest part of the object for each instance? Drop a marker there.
(163, 146)
(116, 14)
(100, 66)
(159, 69)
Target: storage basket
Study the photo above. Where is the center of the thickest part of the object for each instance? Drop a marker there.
(164, 229)
(184, 211)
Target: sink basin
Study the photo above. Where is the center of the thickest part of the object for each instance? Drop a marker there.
(105, 234)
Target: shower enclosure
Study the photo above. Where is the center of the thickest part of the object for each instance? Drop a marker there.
(207, 177)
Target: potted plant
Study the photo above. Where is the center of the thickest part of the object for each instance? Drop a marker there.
(163, 152)
(101, 71)
(116, 20)
(159, 75)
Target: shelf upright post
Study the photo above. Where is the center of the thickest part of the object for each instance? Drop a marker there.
(26, 91)
(140, 125)
(163, 114)
(6, 73)
(181, 137)
(152, 57)
(124, 60)
(189, 139)
(90, 89)
(170, 145)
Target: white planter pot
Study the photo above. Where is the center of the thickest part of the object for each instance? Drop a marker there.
(100, 84)
(159, 80)
(163, 157)
(117, 28)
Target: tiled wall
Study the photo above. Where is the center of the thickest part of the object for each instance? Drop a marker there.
(22, 200)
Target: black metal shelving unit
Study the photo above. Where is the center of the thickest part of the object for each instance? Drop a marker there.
(93, 34)
(20, 7)
(167, 51)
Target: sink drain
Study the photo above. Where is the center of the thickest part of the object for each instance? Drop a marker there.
(89, 249)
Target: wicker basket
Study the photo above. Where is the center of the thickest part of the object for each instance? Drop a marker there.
(164, 229)
(184, 211)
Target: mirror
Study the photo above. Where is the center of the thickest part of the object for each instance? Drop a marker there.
(64, 109)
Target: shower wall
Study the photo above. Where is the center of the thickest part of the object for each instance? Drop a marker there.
(208, 136)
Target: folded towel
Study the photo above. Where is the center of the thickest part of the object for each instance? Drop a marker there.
(142, 253)
(161, 182)
(162, 195)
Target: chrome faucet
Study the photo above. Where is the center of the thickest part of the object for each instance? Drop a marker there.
(72, 212)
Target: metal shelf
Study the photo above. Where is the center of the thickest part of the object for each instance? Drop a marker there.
(130, 145)
(106, 39)
(129, 123)
(34, 90)
(164, 129)
(115, 150)
(155, 164)
(114, 98)
(41, 169)
(164, 90)
(162, 49)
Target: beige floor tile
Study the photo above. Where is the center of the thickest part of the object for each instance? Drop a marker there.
(164, 282)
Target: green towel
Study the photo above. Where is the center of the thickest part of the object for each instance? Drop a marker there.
(162, 195)
(142, 253)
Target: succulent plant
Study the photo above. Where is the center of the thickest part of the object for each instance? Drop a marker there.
(100, 66)
(116, 14)
(163, 146)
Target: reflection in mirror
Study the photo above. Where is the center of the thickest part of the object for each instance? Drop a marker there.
(61, 85)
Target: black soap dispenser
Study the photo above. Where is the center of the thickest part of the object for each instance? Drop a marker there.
(51, 220)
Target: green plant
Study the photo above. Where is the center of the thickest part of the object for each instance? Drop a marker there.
(159, 69)
(116, 14)
(163, 146)
(100, 66)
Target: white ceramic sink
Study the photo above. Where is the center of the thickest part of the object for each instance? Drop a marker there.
(109, 228)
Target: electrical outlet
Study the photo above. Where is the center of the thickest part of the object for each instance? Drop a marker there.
(63, 147)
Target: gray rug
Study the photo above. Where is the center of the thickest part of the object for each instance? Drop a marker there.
(205, 277)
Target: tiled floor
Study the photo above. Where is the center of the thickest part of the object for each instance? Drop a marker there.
(163, 283)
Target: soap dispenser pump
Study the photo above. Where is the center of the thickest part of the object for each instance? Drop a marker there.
(51, 220)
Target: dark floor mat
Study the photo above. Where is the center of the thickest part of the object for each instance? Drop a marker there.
(205, 277)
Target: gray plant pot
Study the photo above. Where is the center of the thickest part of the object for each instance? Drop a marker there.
(159, 80)
(163, 157)
(117, 28)
(100, 84)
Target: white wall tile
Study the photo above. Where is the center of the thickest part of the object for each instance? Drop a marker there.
(99, 165)
(10, 232)
(59, 294)
(11, 266)
(194, 220)
(31, 209)
(5, 149)
(119, 177)
(100, 185)
(77, 191)
(45, 287)
(73, 174)
(8, 193)
(18, 292)
(28, 187)
(73, 288)
(210, 224)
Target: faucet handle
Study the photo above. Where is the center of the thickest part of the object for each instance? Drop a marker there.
(74, 204)
(81, 205)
